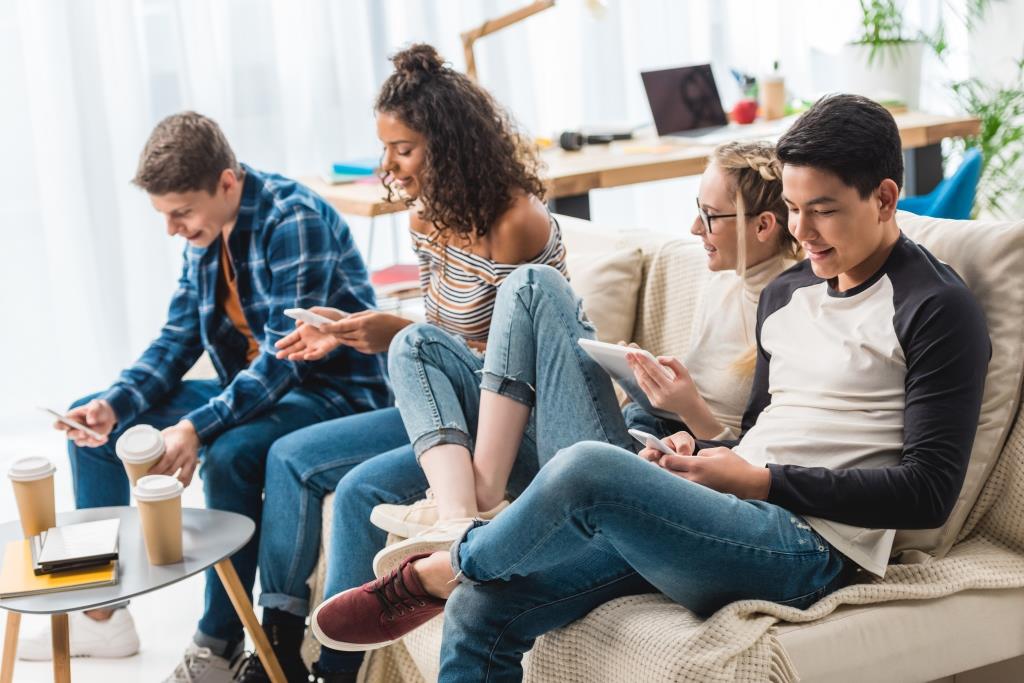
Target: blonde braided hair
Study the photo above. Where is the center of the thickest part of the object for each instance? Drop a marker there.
(756, 172)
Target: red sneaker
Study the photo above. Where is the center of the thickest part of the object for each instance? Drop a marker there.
(377, 613)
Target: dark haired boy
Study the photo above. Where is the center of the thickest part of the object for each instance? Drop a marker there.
(257, 244)
(871, 363)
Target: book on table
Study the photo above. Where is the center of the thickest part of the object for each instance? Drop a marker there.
(61, 558)
(76, 545)
(17, 578)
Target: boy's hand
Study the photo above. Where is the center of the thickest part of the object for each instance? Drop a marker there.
(97, 415)
(721, 469)
(182, 454)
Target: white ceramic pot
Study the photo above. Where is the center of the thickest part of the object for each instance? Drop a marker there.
(893, 74)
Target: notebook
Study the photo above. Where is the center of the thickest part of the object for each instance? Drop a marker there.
(75, 544)
(17, 578)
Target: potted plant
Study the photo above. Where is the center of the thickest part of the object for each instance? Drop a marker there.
(1001, 139)
(884, 62)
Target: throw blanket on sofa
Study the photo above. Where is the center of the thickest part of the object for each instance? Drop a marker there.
(665, 642)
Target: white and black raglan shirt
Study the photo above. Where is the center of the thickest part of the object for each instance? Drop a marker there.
(865, 402)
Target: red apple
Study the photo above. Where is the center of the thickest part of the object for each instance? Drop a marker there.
(745, 111)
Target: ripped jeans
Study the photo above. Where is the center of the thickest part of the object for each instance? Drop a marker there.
(532, 357)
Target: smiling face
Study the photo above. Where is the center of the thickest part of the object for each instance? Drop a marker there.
(846, 237)
(405, 153)
(198, 215)
(717, 197)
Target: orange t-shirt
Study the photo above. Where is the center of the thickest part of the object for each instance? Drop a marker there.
(227, 299)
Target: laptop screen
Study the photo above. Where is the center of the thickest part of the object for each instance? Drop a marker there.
(684, 98)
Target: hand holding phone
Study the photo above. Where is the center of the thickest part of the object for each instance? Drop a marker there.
(74, 424)
(651, 441)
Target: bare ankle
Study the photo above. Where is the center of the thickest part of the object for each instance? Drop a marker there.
(488, 500)
(99, 614)
(435, 574)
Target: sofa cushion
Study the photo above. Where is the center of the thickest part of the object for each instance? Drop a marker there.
(608, 285)
(989, 256)
(908, 640)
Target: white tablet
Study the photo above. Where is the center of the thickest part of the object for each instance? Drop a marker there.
(612, 358)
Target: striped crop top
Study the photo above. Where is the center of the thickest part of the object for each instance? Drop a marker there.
(459, 287)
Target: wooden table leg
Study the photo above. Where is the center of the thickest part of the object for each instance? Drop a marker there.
(10, 646)
(61, 648)
(240, 599)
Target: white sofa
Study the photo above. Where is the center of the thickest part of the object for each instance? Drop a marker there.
(649, 284)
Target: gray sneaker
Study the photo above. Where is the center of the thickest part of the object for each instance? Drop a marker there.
(200, 665)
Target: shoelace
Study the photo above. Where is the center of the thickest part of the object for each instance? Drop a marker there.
(251, 666)
(194, 663)
(393, 603)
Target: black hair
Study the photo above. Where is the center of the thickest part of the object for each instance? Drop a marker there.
(850, 136)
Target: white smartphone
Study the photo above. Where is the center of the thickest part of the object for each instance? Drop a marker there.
(308, 317)
(651, 441)
(74, 424)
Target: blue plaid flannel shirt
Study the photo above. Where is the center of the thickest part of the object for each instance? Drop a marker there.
(290, 249)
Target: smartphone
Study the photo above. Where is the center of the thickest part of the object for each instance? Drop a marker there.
(64, 419)
(308, 317)
(651, 441)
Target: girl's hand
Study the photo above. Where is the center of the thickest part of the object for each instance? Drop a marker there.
(673, 391)
(365, 331)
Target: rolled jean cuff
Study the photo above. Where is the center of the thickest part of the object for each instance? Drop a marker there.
(509, 387)
(441, 437)
(286, 603)
(460, 575)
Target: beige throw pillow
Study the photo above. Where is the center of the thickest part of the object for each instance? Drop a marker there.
(608, 284)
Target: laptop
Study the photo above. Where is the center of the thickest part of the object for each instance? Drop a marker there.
(684, 101)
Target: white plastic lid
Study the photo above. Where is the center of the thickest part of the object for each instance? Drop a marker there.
(156, 487)
(31, 468)
(139, 444)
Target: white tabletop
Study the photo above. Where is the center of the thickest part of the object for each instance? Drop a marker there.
(209, 537)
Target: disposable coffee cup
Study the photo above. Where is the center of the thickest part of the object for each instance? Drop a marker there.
(139, 448)
(32, 479)
(159, 500)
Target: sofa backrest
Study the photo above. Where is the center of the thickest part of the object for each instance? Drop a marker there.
(988, 255)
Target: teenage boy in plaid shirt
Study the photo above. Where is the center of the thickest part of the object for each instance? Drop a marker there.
(258, 243)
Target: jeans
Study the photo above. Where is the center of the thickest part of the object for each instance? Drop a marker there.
(391, 477)
(302, 468)
(638, 418)
(599, 523)
(532, 357)
(232, 474)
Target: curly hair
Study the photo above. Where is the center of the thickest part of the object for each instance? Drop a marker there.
(476, 156)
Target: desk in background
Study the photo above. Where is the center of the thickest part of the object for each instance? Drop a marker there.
(571, 175)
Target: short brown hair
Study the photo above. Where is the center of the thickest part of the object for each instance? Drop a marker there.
(184, 153)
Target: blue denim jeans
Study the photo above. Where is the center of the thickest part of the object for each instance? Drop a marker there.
(302, 468)
(599, 523)
(532, 357)
(232, 473)
(392, 477)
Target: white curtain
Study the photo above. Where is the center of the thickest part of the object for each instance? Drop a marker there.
(87, 269)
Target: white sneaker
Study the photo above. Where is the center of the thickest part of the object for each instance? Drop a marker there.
(438, 537)
(115, 637)
(410, 520)
(200, 665)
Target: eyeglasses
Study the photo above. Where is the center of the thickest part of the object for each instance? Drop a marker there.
(706, 217)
